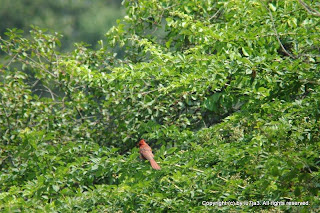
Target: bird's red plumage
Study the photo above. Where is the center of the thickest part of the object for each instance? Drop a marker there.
(146, 153)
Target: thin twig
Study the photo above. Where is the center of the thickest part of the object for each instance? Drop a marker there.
(40, 65)
(306, 81)
(11, 60)
(35, 83)
(51, 93)
(214, 15)
(277, 35)
(227, 181)
(309, 9)
(79, 112)
(150, 91)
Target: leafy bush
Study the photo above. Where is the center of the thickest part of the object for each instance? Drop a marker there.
(226, 92)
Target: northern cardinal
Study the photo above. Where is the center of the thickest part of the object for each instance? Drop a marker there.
(146, 153)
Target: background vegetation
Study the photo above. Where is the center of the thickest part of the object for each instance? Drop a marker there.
(77, 20)
(226, 93)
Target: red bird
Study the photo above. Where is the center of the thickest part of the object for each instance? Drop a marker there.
(146, 153)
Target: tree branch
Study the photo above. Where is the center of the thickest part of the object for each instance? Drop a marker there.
(216, 14)
(278, 37)
(309, 9)
(50, 91)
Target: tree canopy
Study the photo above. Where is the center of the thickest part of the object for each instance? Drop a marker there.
(225, 92)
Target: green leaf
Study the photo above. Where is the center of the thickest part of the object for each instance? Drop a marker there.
(55, 188)
(272, 7)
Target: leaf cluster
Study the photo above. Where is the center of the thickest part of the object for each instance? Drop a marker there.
(225, 92)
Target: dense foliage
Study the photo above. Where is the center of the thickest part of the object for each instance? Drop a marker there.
(226, 93)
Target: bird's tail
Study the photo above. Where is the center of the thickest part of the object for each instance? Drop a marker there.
(154, 164)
